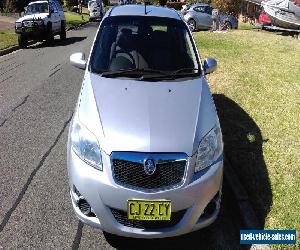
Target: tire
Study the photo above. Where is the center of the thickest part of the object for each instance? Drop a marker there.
(49, 35)
(192, 24)
(227, 26)
(22, 41)
(63, 34)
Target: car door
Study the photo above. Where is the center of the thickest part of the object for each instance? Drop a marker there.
(208, 14)
(61, 13)
(55, 18)
(203, 17)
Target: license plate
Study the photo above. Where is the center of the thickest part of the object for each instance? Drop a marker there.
(149, 210)
(29, 24)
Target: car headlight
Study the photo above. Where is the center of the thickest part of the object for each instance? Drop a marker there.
(39, 22)
(27, 23)
(210, 149)
(18, 25)
(86, 146)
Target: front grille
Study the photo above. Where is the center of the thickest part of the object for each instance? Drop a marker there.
(121, 217)
(168, 173)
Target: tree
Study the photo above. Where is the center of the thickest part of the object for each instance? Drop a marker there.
(15, 5)
(71, 3)
(162, 2)
(229, 6)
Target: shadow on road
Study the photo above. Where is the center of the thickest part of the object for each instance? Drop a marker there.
(243, 147)
(58, 42)
(69, 41)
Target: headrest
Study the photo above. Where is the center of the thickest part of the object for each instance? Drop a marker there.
(161, 38)
(125, 39)
(145, 30)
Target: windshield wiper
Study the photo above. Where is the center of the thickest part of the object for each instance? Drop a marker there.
(184, 70)
(180, 73)
(116, 73)
(151, 73)
(131, 72)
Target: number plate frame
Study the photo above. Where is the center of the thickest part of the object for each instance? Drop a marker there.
(149, 210)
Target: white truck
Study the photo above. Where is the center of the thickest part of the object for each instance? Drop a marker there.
(41, 21)
(96, 9)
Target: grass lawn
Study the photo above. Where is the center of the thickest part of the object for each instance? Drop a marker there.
(73, 19)
(8, 38)
(245, 26)
(256, 89)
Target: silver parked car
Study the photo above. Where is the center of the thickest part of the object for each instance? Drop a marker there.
(199, 17)
(145, 150)
(96, 9)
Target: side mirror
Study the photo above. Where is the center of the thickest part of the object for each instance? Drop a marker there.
(210, 65)
(78, 60)
(22, 14)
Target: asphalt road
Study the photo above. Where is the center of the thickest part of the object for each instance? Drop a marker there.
(38, 92)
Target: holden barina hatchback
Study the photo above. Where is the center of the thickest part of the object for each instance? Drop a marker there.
(145, 150)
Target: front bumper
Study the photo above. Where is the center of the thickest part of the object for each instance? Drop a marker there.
(35, 32)
(95, 14)
(103, 194)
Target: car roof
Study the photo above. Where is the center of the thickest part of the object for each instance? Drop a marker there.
(200, 4)
(139, 10)
(42, 1)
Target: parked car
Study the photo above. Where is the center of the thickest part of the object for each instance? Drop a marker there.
(199, 17)
(96, 9)
(184, 8)
(41, 21)
(145, 150)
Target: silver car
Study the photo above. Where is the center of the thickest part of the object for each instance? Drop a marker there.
(145, 150)
(199, 17)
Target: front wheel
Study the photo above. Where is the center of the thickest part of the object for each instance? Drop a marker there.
(192, 24)
(63, 34)
(227, 26)
(22, 41)
(49, 35)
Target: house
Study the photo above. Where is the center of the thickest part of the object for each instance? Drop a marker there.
(251, 10)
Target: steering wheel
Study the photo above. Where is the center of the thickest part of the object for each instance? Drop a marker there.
(127, 53)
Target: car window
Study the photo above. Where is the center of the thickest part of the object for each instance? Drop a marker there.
(208, 10)
(53, 7)
(200, 9)
(159, 27)
(36, 8)
(138, 42)
(58, 6)
(190, 48)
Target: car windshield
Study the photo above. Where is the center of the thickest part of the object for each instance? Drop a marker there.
(144, 45)
(94, 2)
(36, 8)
